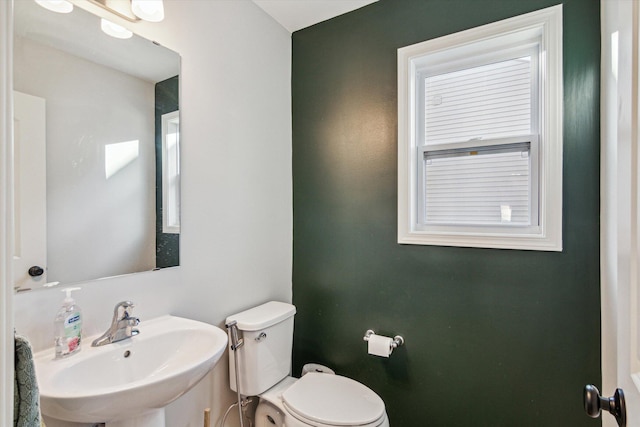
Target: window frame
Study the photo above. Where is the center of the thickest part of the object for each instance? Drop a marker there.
(449, 52)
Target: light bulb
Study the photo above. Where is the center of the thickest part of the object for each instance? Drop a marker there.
(149, 10)
(60, 6)
(115, 30)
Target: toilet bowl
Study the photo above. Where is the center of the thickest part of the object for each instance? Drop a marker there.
(316, 399)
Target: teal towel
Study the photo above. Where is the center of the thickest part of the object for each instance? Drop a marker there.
(26, 399)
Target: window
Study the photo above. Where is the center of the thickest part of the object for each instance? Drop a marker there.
(480, 136)
(171, 172)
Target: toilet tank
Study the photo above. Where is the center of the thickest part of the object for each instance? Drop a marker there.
(265, 357)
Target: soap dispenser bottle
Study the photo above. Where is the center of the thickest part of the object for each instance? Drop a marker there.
(68, 327)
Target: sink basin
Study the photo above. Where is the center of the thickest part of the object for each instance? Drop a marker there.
(129, 379)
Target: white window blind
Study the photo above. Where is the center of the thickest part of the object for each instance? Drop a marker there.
(481, 183)
(488, 101)
(487, 185)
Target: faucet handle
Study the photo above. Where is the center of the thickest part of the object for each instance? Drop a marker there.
(125, 305)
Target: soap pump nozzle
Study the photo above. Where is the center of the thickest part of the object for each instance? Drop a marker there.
(69, 300)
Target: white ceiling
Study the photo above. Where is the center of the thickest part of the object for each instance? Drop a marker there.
(297, 14)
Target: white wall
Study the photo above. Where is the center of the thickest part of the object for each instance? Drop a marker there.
(236, 188)
(97, 225)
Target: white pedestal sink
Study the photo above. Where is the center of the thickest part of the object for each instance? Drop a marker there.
(129, 383)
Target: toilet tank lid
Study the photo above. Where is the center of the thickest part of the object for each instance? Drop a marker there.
(263, 316)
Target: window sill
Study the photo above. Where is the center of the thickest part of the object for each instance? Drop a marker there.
(536, 242)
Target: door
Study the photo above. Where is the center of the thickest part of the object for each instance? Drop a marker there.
(620, 210)
(30, 197)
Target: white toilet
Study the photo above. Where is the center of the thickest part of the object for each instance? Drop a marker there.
(316, 399)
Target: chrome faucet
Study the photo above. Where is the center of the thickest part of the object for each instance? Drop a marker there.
(122, 325)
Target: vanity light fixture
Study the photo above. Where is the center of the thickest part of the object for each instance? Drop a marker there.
(148, 10)
(60, 6)
(130, 10)
(115, 30)
(134, 10)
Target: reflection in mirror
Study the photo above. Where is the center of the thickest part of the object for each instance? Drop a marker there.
(171, 172)
(96, 136)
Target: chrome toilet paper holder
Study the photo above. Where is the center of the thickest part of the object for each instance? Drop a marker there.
(397, 340)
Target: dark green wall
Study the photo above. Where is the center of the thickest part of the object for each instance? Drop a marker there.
(493, 337)
(167, 245)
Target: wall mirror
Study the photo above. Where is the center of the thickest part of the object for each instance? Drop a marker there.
(96, 147)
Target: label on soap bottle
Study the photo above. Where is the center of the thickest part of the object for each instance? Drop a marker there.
(73, 331)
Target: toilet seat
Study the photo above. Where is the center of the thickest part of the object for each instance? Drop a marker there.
(332, 400)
